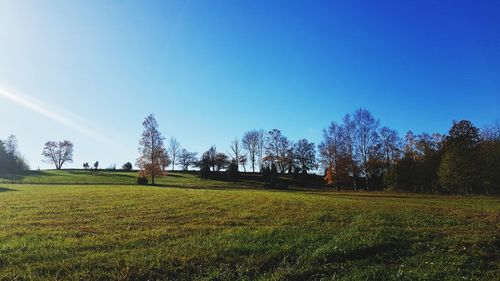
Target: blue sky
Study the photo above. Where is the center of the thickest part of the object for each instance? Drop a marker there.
(90, 71)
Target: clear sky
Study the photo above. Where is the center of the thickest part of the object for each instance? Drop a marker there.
(90, 71)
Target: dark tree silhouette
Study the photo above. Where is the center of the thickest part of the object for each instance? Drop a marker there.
(127, 167)
(187, 159)
(305, 155)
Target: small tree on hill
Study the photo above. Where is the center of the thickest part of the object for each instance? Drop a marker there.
(127, 166)
(151, 149)
(187, 159)
(58, 153)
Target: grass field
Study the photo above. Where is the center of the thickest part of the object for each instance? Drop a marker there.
(103, 177)
(207, 231)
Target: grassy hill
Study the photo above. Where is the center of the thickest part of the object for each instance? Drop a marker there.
(107, 177)
(192, 229)
(172, 179)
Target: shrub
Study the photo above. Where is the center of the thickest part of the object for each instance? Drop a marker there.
(141, 180)
(232, 172)
(127, 166)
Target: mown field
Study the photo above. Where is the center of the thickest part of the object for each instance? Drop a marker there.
(209, 230)
(176, 179)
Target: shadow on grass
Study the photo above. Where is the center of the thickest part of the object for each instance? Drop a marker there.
(22, 175)
(175, 175)
(6, 189)
(389, 251)
(355, 194)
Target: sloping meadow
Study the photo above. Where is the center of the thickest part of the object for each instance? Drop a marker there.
(124, 232)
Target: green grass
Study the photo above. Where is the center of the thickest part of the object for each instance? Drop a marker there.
(102, 232)
(173, 179)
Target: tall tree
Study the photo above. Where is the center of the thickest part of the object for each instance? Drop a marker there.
(366, 138)
(429, 154)
(174, 147)
(305, 155)
(277, 149)
(251, 142)
(210, 156)
(348, 137)
(58, 153)
(331, 150)
(151, 148)
(390, 148)
(235, 152)
(11, 160)
(458, 169)
(389, 143)
(261, 146)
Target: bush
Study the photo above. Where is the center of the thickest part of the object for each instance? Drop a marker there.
(270, 176)
(142, 180)
(127, 166)
(232, 172)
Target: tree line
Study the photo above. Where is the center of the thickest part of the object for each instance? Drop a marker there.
(361, 153)
(11, 160)
(356, 153)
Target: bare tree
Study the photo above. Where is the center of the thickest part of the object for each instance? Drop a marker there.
(243, 162)
(251, 143)
(58, 153)
(186, 159)
(151, 148)
(348, 135)
(174, 147)
(331, 150)
(389, 142)
(11, 145)
(491, 132)
(235, 152)
(277, 149)
(209, 157)
(366, 138)
(261, 145)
